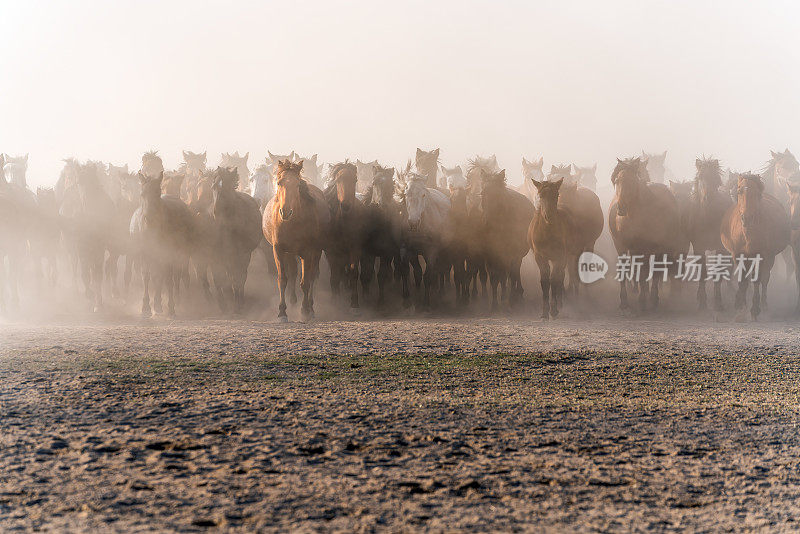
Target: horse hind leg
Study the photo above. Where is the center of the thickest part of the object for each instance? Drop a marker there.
(701, 285)
(544, 281)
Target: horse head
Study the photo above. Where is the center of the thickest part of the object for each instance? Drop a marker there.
(152, 165)
(292, 189)
(427, 163)
(454, 178)
(415, 195)
(382, 186)
(344, 176)
(749, 192)
(586, 176)
(708, 179)
(628, 178)
(548, 197)
(655, 163)
(195, 162)
(151, 195)
(533, 170)
(223, 185)
(793, 190)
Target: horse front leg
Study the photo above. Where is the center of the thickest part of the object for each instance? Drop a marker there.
(741, 295)
(310, 265)
(701, 286)
(352, 280)
(282, 265)
(544, 282)
(755, 310)
(384, 274)
(172, 277)
(146, 285)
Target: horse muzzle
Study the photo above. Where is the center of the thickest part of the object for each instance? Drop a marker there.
(284, 214)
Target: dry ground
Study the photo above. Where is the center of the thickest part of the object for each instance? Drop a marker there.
(405, 425)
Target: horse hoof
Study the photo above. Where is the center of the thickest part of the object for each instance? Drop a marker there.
(741, 317)
(283, 319)
(355, 311)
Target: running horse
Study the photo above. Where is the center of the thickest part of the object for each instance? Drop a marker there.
(643, 218)
(296, 224)
(755, 227)
(704, 215)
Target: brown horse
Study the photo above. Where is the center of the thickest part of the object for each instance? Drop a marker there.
(551, 236)
(506, 216)
(204, 255)
(348, 225)
(427, 164)
(706, 210)
(238, 221)
(643, 218)
(296, 224)
(586, 215)
(756, 226)
(165, 231)
(793, 191)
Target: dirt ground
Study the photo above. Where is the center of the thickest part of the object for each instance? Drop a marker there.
(402, 425)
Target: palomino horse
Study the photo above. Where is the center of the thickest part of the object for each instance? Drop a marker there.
(349, 226)
(427, 163)
(296, 223)
(793, 191)
(505, 216)
(586, 214)
(551, 236)
(164, 229)
(238, 222)
(756, 226)
(643, 218)
(426, 230)
(706, 210)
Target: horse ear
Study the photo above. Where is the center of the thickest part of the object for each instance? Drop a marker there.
(436, 152)
(537, 184)
(774, 154)
(524, 161)
(313, 159)
(697, 163)
(559, 182)
(540, 162)
(184, 154)
(246, 156)
(553, 168)
(458, 168)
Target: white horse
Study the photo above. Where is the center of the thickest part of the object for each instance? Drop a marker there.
(428, 232)
(262, 184)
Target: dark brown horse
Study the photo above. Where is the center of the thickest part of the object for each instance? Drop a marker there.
(706, 210)
(506, 216)
(551, 236)
(383, 239)
(238, 222)
(296, 223)
(643, 219)
(164, 228)
(586, 215)
(755, 227)
(349, 226)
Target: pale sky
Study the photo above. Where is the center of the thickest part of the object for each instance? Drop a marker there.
(575, 81)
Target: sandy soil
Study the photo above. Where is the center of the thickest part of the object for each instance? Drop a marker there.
(406, 425)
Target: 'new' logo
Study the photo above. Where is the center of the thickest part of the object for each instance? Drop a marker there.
(591, 267)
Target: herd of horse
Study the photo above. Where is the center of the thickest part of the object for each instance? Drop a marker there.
(425, 231)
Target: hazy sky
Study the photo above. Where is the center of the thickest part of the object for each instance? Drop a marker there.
(574, 81)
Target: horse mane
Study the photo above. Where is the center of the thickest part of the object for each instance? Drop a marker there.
(494, 178)
(627, 163)
(478, 163)
(709, 165)
(336, 168)
(769, 169)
